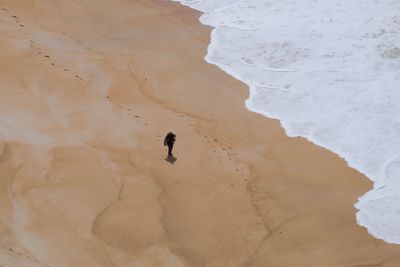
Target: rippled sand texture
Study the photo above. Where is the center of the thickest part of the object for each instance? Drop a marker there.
(88, 90)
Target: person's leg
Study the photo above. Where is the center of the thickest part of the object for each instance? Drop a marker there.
(170, 149)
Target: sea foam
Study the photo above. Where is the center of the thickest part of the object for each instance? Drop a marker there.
(329, 70)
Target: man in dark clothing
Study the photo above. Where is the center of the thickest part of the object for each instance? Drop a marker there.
(169, 141)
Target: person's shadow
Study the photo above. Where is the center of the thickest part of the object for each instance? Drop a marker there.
(171, 159)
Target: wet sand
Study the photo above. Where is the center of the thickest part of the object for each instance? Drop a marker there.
(89, 89)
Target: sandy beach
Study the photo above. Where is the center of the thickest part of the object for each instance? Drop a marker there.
(90, 88)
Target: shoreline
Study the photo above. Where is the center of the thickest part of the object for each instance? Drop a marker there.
(96, 190)
(296, 99)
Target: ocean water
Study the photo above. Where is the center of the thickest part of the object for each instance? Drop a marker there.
(329, 70)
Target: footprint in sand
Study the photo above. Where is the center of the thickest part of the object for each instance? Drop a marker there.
(37, 48)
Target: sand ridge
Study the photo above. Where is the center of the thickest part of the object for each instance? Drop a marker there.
(89, 88)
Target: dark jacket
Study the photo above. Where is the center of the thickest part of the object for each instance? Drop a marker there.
(169, 139)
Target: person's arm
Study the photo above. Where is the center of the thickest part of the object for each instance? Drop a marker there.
(165, 140)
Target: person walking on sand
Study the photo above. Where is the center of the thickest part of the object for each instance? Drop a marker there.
(169, 141)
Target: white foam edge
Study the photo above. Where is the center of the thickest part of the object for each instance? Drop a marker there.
(379, 183)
